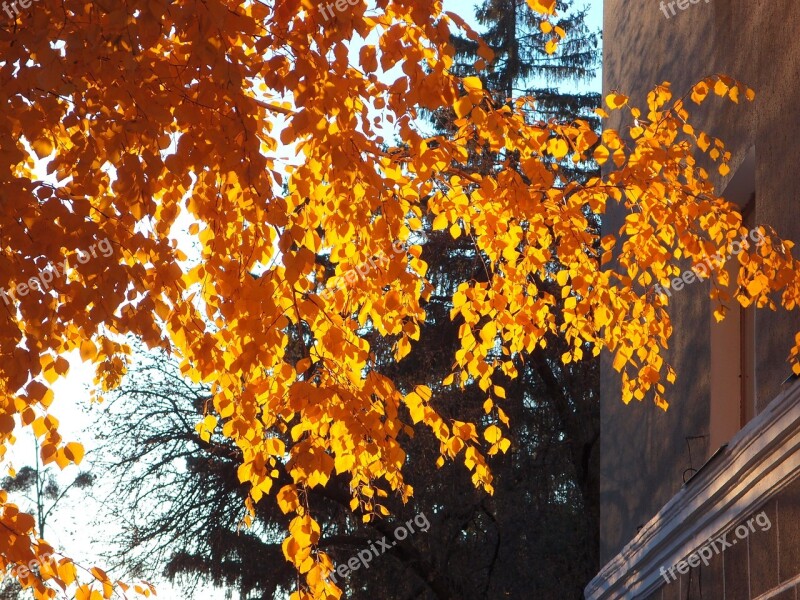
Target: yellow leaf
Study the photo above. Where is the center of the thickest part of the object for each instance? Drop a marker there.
(502, 416)
(602, 316)
(557, 147)
(463, 106)
(440, 222)
(67, 572)
(43, 147)
(754, 287)
(344, 462)
(699, 92)
(393, 300)
(615, 101)
(83, 592)
(493, 434)
(304, 530)
(473, 83)
(61, 366)
(288, 500)
(601, 155)
(74, 452)
(488, 332)
(275, 446)
(543, 6)
(719, 313)
(88, 350)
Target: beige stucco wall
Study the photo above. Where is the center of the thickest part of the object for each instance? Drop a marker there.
(644, 450)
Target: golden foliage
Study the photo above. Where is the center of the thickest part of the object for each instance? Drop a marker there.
(250, 120)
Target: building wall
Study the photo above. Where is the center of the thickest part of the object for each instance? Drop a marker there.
(764, 565)
(644, 451)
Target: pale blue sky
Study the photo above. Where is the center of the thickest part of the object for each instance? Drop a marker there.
(466, 9)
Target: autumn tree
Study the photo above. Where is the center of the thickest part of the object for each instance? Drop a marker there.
(560, 419)
(186, 527)
(548, 482)
(144, 113)
(179, 503)
(41, 488)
